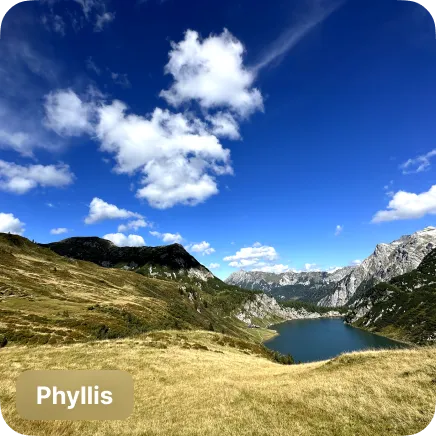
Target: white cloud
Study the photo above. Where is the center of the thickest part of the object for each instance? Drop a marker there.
(20, 179)
(133, 225)
(276, 269)
(168, 238)
(418, 164)
(211, 71)
(99, 210)
(317, 12)
(122, 240)
(58, 231)
(339, 230)
(18, 141)
(356, 262)
(10, 224)
(67, 114)
(203, 248)
(102, 20)
(224, 125)
(255, 256)
(176, 154)
(92, 66)
(407, 205)
(312, 267)
(121, 79)
(214, 265)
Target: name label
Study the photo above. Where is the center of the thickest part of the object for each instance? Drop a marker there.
(75, 395)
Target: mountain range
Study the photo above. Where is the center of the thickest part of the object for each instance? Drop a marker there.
(343, 286)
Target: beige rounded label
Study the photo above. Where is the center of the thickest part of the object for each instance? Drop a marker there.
(75, 395)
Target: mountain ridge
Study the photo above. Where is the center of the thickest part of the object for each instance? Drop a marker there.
(342, 287)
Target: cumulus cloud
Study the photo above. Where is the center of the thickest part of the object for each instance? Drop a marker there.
(20, 179)
(133, 225)
(122, 240)
(224, 125)
(255, 256)
(177, 156)
(407, 205)
(10, 224)
(311, 267)
(339, 230)
(67, 114)
(168, 238)
(203, 248)
(214, 265)
(211, 72)
(59, 231)
(356, 262)
(419, 164)
(99, 210)
(276, 269)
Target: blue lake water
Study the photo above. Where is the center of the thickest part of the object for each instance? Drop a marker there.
(309, 340)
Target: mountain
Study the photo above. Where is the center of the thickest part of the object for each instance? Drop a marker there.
(404, 308)
(342, 287)
(306, 286)
(168, 262)
(48, 298)
(387, 261)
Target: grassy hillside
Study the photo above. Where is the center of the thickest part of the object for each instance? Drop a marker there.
(199, 383)
(404, 308)
(46, 298)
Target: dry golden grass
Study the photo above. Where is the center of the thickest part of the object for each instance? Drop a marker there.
(180, 390)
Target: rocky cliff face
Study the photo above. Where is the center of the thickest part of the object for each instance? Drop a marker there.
(308, 286)
(267, 309)
(403, 308)
(387, 261)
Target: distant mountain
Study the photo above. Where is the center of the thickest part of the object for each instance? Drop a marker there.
(387, 261)
(169, 262)
(306, 286)
(345, 285)
(404, 308)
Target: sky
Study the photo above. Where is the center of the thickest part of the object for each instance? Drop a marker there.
(271, 136)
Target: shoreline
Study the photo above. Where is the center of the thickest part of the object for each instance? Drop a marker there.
(276, 333)
(410, 344)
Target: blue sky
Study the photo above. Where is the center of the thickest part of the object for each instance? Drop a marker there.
(266, 135)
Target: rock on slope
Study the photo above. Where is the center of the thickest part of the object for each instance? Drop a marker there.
(266, 309)
(404, 308)
(387, 261)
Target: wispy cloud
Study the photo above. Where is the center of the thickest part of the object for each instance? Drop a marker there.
(317, 12)
(418, 164)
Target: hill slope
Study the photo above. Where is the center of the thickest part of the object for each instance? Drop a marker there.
(48, 298)
(404, 308)
(168, 262)
(198, 383)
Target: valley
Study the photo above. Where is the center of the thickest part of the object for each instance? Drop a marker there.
(195, 345)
